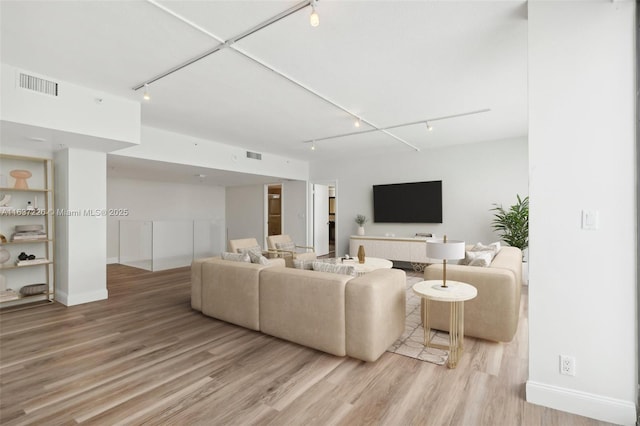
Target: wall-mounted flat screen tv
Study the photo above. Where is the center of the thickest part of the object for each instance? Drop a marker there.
(415, 202)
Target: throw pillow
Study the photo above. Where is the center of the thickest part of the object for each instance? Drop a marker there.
(495, 247)
(492, 249)
(257, 258)
(255, 249)
(303, 264)
(334, 268)
(286, 246)
(479, 258)
(236, 257)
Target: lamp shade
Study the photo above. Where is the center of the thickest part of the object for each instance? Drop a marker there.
(449, 250)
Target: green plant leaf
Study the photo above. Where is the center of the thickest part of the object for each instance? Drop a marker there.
(513, 224)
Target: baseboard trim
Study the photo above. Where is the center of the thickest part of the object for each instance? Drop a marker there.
(582, 403)
(112, 260)
(79, 299)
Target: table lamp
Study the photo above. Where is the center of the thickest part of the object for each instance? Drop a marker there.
(445, 250)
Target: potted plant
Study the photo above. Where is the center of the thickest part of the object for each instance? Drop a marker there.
(361, 220)
(513, 226)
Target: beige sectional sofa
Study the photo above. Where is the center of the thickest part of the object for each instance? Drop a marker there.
(338, 314)
(494, 313)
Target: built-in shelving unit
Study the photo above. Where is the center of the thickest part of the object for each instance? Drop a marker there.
(39, 193)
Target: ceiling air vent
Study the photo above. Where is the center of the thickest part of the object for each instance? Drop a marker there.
(38, 84)
(254, 155)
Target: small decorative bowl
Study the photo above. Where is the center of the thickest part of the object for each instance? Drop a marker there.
(32, 289)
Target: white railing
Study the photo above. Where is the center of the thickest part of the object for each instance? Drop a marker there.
(156, 245)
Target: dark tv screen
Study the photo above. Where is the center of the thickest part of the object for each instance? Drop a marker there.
(416, 202)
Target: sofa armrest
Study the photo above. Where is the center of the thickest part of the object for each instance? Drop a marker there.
(493, 314)
(230, 291)
(196, 282)
(375, 312)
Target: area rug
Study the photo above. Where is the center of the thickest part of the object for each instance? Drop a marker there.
(411, 343)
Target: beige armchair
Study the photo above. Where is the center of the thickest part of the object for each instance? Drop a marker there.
(284, 245)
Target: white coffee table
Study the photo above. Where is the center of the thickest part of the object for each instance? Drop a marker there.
(456, 293)
(370, 264)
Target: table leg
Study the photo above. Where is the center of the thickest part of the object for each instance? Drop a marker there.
(425, 322)
(456, 333)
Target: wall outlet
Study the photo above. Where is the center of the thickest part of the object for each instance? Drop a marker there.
(567, 365)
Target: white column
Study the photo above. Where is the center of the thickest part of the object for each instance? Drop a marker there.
(582, 293)
(81, 226)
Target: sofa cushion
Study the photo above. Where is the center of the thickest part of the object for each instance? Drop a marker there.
(305, 307)
(236, 257)
(334, 268)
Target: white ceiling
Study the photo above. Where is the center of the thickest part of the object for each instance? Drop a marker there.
(390, 62)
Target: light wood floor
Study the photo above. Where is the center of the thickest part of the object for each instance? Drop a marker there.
(144, 356)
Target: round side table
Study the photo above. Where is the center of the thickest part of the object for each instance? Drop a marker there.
(455, 293)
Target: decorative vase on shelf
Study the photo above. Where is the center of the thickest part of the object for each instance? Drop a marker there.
(4, 255)
(361, 254)
(21, 177)
(360, 230)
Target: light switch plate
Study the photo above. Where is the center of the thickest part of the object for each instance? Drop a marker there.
(590, 220)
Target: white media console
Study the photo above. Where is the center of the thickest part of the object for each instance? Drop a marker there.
(412, 250)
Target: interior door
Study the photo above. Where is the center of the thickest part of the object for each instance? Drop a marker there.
(321, 219)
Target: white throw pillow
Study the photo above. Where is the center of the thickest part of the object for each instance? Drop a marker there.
(255, 249)
(335, 268)
(479, 258)
(258, 258)
(286, 246)
(495, 247)
(236, 257)
(303, 264)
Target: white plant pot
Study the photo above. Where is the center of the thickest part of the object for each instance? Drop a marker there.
(360, 230)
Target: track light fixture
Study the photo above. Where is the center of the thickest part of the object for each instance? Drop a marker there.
(146, 95)
(429, 126)
(313, 146)
(314, 19)
(357, 122)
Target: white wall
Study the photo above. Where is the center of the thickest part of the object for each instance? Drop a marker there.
(582, 299)
(246, 210)
(81, 241)
(162, 145)
(149, 200)
(294, 211)
(474, 176)
(76, 109)
(245, 213)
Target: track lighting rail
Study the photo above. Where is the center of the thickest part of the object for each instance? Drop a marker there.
(230, 43)
(223, 43)
(395, 126)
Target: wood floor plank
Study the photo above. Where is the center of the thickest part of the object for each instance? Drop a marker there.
(145, 357)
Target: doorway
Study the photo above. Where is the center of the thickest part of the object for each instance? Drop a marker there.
(324, 219)
(274, 210)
